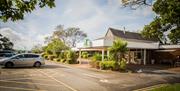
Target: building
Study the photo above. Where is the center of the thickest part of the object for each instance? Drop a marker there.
(141, 50)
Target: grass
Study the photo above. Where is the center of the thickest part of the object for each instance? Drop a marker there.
(168, 87)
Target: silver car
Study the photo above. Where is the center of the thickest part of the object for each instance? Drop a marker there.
(21, 60)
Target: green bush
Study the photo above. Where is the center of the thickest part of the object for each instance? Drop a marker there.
(123, 64)
(85, 54)
(51, 57)
(70, 57)
(97, 57)
(58, 59)
(62, 60)
(45, 56)
(107, 65)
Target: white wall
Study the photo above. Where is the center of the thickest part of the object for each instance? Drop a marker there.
(143, 45)
(131, 44)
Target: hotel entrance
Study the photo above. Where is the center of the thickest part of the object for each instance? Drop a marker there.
(138, 56)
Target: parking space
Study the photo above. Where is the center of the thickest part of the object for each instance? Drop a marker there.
(28, 79)
(59, 77)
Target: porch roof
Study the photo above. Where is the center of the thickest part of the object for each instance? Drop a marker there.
(169, 47)
(99, 48)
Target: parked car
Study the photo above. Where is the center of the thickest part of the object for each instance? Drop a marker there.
(6, 55)
(20, 60)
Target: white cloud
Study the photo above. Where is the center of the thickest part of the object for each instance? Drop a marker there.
(91, 16)
(19, 40)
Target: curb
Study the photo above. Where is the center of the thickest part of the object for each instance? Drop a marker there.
(151, 87)
(98, 70)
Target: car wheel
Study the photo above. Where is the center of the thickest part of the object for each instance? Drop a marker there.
(9, 65)
(37, 64)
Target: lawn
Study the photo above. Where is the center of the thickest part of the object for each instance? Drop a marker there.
(168, 87)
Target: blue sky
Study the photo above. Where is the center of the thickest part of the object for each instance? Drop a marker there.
(92, 16)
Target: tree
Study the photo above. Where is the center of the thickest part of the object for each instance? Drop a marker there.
(15, 9)
(118, 49)
(134, 4)
(37, 49)
(69, 36)
(168, 19)
(5, 43)
(153, 30)
(55, 46)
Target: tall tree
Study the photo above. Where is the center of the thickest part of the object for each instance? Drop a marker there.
(167, 19)
(69, 36)
(153, 30)
(168, 13)
(5, 43)
(134, 4)
(15, 9)
(56, 45)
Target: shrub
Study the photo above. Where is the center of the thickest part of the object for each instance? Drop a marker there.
(85, 54)
(62, 60)
(70, 57)
(51, 57)
(123, 64)
(45, 56)
(97, 57)
(58, 59)
(107, 65)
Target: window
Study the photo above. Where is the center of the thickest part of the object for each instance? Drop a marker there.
(30, 56)
(35, 56)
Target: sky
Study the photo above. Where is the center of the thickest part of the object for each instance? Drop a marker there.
(94, 17)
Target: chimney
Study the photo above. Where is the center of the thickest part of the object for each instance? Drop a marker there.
(124, 30)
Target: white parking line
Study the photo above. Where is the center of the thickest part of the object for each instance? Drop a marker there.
(28, 78)
(91, 75)
(27, 83)
(21, 88)
(57, 80)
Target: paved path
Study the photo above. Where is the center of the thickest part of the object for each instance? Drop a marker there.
(58, 77)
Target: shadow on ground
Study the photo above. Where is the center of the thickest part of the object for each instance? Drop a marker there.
(42, 67)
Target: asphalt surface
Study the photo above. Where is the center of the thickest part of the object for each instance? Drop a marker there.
(58, 77)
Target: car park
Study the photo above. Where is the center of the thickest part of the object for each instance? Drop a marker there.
(22, 60)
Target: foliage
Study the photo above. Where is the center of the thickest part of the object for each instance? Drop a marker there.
(134, 4)
(63, 60)
(45, 56)
(113, 65)
(37, 49)
(55, 47)
(167, 19)
(168, 87)
(175, 36)
(85, 54)
(107, 65)
(51, 57)
(118, 49)
(69, 36)
(5, 43)
(15, 9)
(97, 57)
(169, 13)
(70, 57)
(122, 64)
(152, 31)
